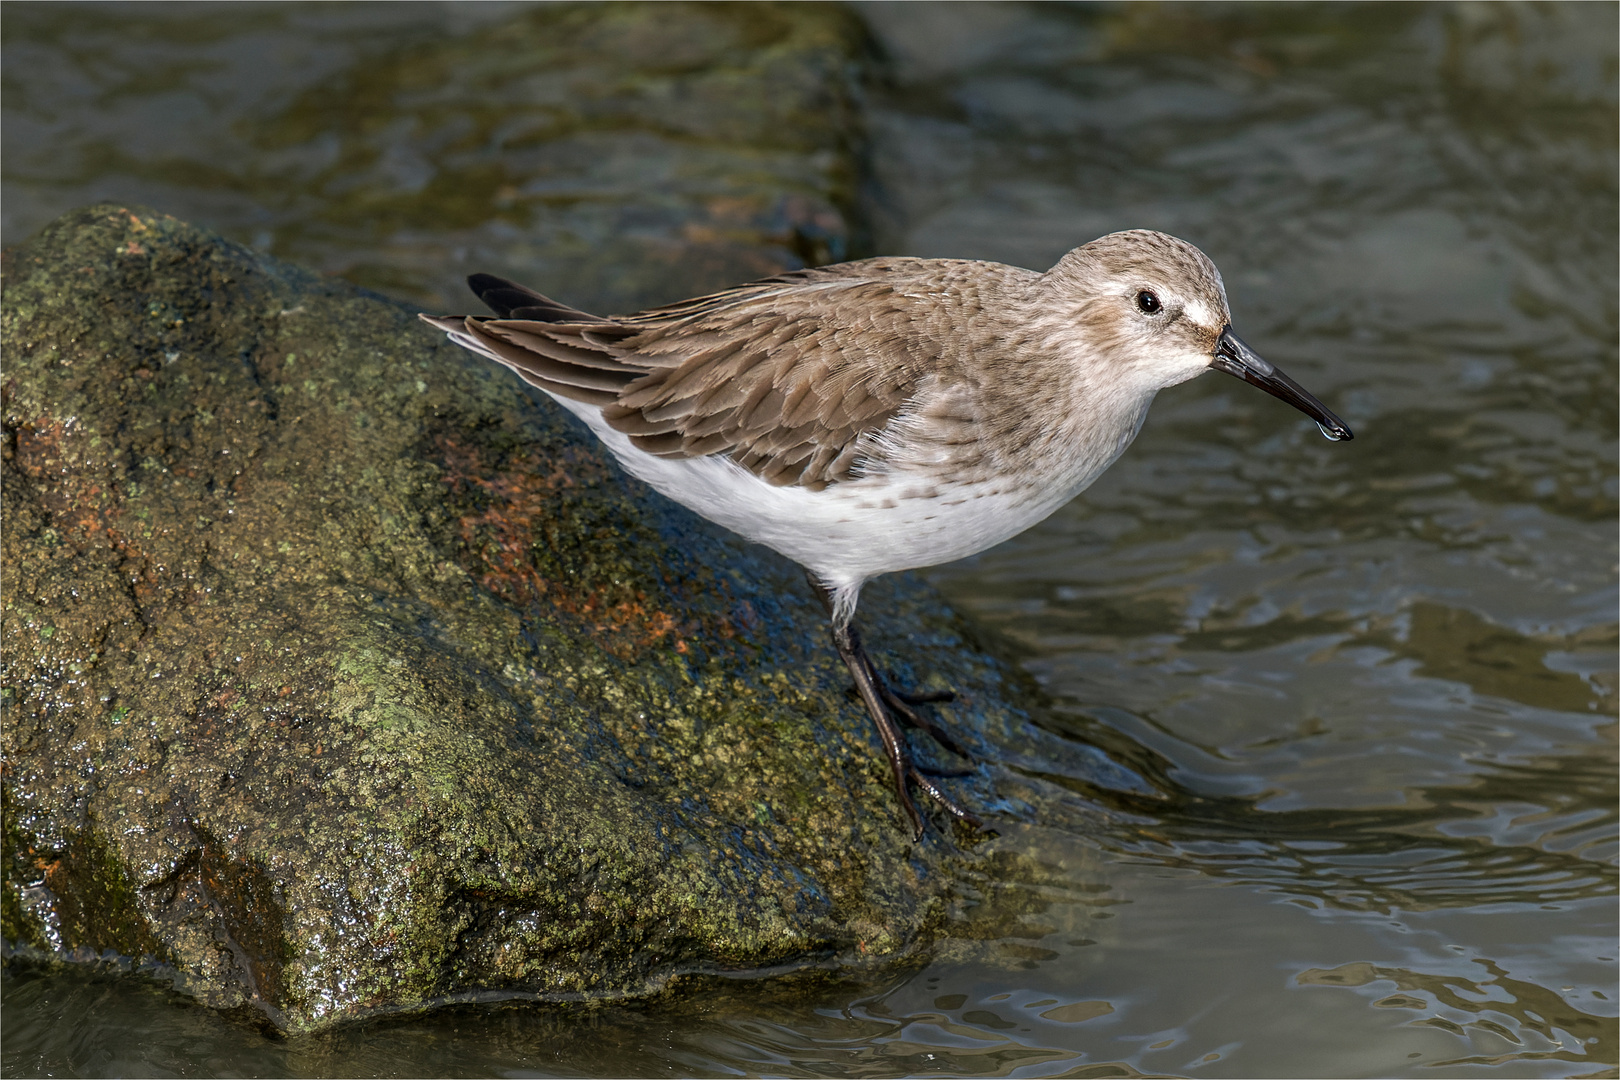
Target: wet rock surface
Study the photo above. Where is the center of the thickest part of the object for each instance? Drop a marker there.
(342, 675)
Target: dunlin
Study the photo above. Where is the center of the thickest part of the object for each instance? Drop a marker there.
(886, 414)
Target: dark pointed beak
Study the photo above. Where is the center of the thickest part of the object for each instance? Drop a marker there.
(1235, 358)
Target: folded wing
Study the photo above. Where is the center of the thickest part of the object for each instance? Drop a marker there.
(792, 377)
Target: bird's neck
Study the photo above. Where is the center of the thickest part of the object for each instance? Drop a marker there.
(1063, 397)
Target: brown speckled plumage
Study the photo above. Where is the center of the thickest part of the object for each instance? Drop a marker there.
(793, 376)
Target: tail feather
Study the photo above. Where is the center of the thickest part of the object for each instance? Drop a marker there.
(553, 376)
(562, 350)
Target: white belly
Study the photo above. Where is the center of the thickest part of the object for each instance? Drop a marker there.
(852, 531)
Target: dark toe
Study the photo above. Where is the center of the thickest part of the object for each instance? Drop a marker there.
(931, 697)
(951, 806)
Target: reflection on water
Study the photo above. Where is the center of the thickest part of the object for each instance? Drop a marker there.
(1533, 1023)
(1327, 781)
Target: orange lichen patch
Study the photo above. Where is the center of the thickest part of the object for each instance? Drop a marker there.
(519, 512)
(85, 504)
(80, 504)
(39, 446)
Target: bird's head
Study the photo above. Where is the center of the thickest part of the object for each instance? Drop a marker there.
(1155, 308)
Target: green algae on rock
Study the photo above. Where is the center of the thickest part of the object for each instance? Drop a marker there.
(342, 675)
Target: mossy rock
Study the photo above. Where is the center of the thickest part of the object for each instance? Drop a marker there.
(343, 674)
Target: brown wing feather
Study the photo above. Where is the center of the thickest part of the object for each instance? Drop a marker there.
(790, 376)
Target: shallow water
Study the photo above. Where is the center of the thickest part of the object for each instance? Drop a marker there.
(1359, 699)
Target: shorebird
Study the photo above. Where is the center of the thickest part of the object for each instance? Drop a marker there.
(886, 414)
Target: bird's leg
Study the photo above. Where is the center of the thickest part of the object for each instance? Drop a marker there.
(900, 703)
(897, 700)
(848, 645)
(883, 705)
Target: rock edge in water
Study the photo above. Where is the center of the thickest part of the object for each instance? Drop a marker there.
(343, 675)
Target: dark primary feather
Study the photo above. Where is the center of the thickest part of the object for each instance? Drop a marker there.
(790, 376)
(509, 300)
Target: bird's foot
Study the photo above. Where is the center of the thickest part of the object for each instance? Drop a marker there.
(902, 706)
(884, 706)
(907, 770)
(952, 807)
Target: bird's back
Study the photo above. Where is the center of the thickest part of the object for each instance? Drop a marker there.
(794, 377)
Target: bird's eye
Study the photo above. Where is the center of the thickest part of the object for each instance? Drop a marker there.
(1148, 302)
